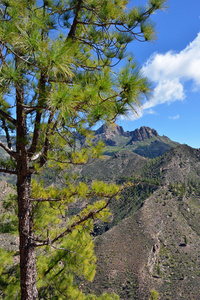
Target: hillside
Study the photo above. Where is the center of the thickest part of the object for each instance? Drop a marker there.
(157, 246)
(122, 163)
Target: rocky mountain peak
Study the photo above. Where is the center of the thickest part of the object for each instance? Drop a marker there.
(110, 129)
(144, 141)
(142, 134)
(111, 133)
(137, 135)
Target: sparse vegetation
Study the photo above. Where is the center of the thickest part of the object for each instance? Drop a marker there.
(154, 295)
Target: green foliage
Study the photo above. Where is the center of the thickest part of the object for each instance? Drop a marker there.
(54, 266)
(185, 240)
(154, 295)
(9, 220)
(61, 265)
(9, 274)
(178, 190)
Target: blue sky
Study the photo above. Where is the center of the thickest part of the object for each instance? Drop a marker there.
(172, 63)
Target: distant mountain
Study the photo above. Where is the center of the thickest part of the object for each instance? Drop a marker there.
(109, 132)
(142, 134)
(144, 141)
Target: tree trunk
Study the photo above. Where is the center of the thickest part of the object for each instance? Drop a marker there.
(27, 248)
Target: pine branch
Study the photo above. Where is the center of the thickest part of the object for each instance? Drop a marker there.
(8, 117)
(42, 154)
(49, 131)
(2, 57)
(38, 155)
(8, 150)
(38, 117)
(8, 171)
(5, 127)
(91, 215)
(21, 58)
(45, 200)
(31, 109)
(72, 31)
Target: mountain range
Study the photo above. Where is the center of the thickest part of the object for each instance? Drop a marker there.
(152, 240)
(144, 141)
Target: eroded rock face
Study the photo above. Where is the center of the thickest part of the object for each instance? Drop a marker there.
(142, 134)
(108, 133)
(111, 129)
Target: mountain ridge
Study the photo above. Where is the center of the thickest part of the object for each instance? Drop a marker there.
(144, 141)
(136, 135)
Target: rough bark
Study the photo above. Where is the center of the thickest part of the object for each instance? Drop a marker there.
(27, 248)
(28, 270)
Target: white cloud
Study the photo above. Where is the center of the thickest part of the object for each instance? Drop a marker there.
(150, 112)
(166, 91)
(132, 116)
(170, 71)
(184, 65)
(175, 117)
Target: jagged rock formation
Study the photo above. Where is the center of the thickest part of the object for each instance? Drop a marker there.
(110, 129)
(106, 132)
(109, 134)
(144, 141)
(142, 134)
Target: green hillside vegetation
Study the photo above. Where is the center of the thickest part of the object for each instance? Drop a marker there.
(153, 147)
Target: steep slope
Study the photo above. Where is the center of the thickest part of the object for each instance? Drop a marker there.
(158, 245)
(123, 163)
(180, 164)
(155, 248)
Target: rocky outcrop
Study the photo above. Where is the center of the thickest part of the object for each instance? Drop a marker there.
(142, 134)
(109, 132)
(106, 131)
(111, 129)
(144, 141)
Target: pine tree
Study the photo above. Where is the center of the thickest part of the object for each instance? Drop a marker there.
(58, 80)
